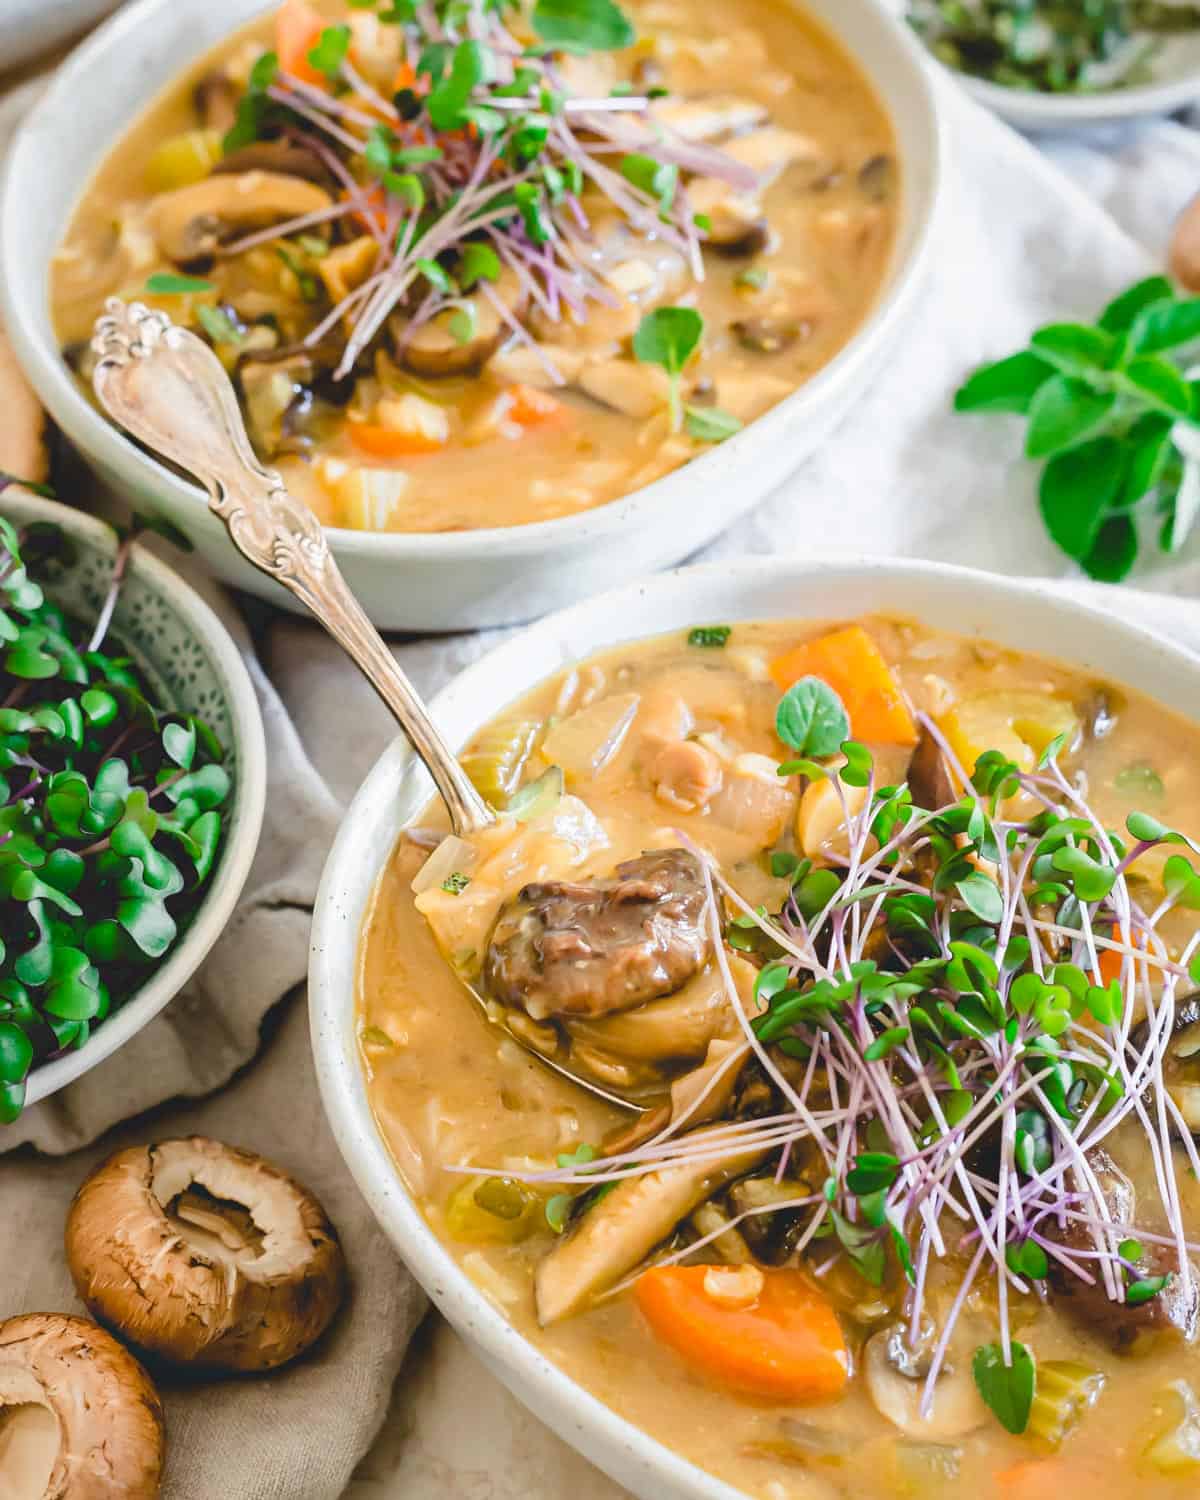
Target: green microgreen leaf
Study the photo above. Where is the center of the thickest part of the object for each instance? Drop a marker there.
(172, 284)
(810, 718)
(330, 51)
(709, 424)
(1007, 1389)
(583, 25)
(709, 635)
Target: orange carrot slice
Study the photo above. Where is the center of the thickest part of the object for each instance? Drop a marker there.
(786, 1344)
(853, 666)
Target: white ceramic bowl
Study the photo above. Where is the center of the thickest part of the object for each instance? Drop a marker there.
(1023, 615)
(187, 654)
(457, 579)
(1175, 85)
(29, 27)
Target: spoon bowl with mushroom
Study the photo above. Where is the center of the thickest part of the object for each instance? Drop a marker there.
(553, 954)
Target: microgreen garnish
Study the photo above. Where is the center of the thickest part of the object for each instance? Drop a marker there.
(668, 337)
(1049, 46)
(171, 284)
(810, 718)
(1006, 1385)
(330, 52)
(583, 25)
(754, 277)
(1117, 420)
(709, 635)
(110, 823)
(709, 424)
(475, 169)
(219, 325)
(950, 971)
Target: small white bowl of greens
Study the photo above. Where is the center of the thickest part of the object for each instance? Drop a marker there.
(133, 771)
(1060, 64)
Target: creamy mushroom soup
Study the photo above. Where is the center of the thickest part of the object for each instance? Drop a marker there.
(463, 285)
(880, 942)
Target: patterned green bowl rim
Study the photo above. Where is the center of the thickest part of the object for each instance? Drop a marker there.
(192, 661)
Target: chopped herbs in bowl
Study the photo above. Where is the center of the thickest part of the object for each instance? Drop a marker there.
(1053, 64)
(1060, 47)
(131, 764)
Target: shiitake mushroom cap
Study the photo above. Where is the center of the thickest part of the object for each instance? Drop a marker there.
(202, 1254)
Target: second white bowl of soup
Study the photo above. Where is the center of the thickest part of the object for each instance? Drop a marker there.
(919, 1099)
(496, 441)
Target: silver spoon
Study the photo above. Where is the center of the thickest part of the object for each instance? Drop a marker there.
(168, 389)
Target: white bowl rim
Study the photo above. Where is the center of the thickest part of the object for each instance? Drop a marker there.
(118, 453)
(539, 1383)
(1047, 111)
(235, 857)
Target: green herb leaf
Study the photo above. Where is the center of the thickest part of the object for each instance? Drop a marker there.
(1166, 324)
(330, 52)
(709, 635)
(1006, 1389)
(1009, 385)
(1077, 489)
(171, 284)
(669, 336)
(1065, 411)
(1160, 383)
(1121, 314)
(583, 25)
(709, 424)
(477, 262)
(1074, 348)
(810, 718)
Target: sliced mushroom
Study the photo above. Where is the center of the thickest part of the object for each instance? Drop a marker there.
(203, 1254)
(769, 335)
(620, 1230)
(771, 150)
(929, 778)
(193, 222)
(589, 949)
(737, 223)
(677, 1028)
(1173, 1314)
(216, 99)
(435, 348)
(774, 1223)
(1181, 1066)
(79, 1417)
(877, 178)
(709, 118)
(896, 1374)
(268, 389)
(282, 157)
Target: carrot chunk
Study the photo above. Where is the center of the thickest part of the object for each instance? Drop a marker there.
(386, 442)
(298, 29)
(530, 407)
(785, 1343)
(1111, 961)
(851, 663)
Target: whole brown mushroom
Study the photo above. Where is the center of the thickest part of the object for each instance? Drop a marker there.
(203, 1254)
(79, 1418)
(1184, 254)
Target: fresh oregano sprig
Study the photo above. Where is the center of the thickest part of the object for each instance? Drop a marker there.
(1113, 409)
(110, 817)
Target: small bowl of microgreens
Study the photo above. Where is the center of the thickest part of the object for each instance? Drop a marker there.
(1060, 64)
(133, 772)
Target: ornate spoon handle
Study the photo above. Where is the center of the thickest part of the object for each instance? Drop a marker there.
(168, 389)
